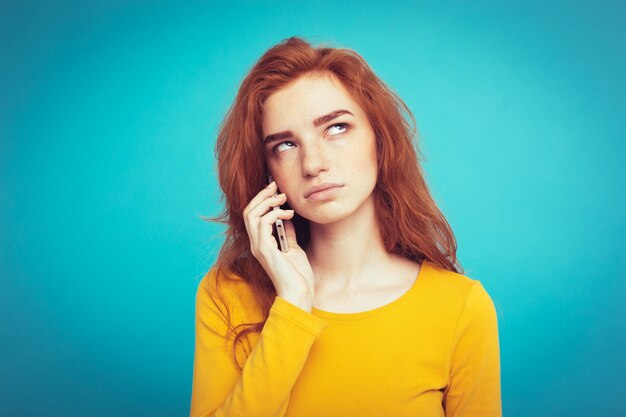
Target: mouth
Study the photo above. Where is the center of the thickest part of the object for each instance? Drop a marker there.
(323, 192)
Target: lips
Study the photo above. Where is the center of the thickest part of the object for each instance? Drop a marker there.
(321, 187)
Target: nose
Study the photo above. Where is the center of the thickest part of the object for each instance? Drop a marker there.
(313, 159)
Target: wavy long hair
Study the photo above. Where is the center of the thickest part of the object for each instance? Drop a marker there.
(413, 225)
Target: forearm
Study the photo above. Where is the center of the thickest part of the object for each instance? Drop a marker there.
(269, 373)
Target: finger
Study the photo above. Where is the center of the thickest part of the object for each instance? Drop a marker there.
(271, 217)
(267, 223)
(290, 231)
(251, 216)
(268, 191)
(252, 219)
(267, 204)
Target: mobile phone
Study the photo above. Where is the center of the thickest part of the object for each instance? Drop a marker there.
(280, 228)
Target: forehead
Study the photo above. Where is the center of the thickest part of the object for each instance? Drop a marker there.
(303, 100)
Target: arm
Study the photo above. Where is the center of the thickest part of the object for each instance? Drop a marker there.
(269, 373)
(474, 388)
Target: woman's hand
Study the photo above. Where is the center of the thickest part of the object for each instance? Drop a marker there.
(290, 271)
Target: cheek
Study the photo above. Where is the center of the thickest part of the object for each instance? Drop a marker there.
(287, 182)
(366, 159)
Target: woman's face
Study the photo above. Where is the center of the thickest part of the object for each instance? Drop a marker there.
(304, 150)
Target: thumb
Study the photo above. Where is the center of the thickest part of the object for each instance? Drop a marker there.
(290, 231)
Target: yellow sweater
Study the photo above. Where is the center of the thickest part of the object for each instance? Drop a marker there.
(432, 352)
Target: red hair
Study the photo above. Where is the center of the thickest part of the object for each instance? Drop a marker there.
(413, 225)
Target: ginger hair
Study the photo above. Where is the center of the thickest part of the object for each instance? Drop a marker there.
(413, 225)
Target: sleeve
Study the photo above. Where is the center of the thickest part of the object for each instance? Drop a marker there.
(269, 373)
(474, 388)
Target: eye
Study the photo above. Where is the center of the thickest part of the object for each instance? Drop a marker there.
(343, 125)
(276, 148)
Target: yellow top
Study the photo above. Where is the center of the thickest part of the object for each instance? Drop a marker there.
(432, 352)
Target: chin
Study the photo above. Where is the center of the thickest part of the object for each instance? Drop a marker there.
(330, 213)
(325, 219)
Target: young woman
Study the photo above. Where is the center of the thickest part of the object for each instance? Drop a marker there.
(367, 313)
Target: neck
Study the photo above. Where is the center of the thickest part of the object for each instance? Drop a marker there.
(341, 253)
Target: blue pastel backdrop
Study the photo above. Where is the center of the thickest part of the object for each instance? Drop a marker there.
(108, 116)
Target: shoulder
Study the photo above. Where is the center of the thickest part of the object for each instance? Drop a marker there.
(454, 290)
(450, 283)
(226, 290)
(217, 280)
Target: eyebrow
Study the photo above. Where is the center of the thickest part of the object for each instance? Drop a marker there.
(317, 122)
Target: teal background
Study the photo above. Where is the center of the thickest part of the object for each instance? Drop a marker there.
(108, 117)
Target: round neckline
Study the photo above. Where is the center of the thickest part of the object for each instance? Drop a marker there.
(330, 315)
